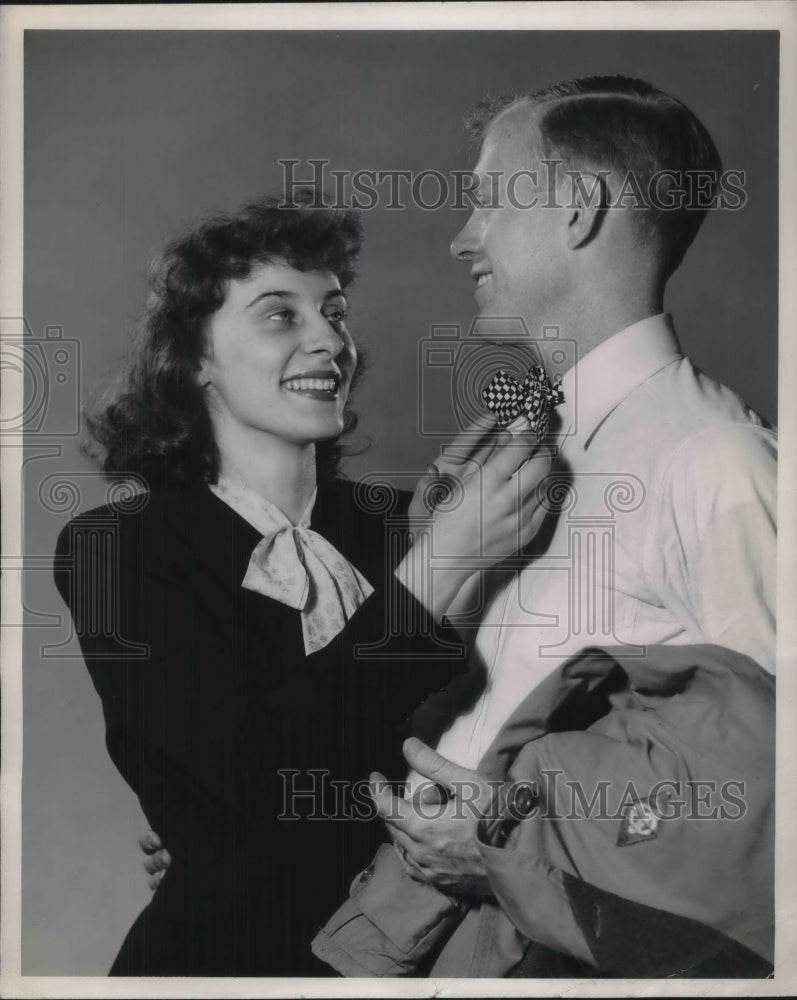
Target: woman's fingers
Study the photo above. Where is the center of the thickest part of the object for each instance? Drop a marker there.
(532, 516)
(533, 472)
(496, 512)
(155, 880)
(149, 842)
(472, 446)
(456, 464)
(509, 457)
(511, 506)
(158, 858)
(157, 862)
(471, 438)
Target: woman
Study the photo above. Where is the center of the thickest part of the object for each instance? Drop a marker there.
(254, 652)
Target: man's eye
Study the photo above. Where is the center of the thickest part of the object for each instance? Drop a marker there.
(336, 315)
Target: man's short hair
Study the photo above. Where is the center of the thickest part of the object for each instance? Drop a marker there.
(653, 142)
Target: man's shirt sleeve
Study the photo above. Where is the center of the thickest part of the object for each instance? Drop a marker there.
(711, 552)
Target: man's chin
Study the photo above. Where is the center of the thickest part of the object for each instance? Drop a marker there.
(500, 329)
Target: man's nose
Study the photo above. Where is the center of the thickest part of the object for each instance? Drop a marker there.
(466, 242)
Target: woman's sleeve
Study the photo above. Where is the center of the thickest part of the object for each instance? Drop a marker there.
(398, 653)
(143, 646)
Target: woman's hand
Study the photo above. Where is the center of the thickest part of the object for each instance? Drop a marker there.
(458, 460)
(157, 860)
(492, 511)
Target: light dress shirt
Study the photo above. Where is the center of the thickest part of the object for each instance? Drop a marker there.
(667, 487)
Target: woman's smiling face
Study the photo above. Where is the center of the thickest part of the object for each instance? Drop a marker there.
(279, 359)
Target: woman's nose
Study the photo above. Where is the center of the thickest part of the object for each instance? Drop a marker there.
(323, 338)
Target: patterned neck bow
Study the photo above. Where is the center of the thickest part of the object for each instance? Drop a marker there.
(296, 566)
(535, 398)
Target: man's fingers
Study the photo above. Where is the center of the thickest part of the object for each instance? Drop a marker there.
(407, 847)
(429, 794)
(437, 768)
(390, 808)
(405, 850)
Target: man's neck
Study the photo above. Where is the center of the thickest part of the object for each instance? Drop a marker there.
(594, 320)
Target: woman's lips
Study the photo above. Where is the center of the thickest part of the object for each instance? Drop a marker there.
(322, 387)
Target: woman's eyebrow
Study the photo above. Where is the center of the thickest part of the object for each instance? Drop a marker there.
(265, 295)
(333, 293)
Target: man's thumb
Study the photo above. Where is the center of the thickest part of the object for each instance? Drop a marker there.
(433, 766)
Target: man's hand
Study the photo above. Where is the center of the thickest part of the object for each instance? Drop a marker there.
(158, 858)
(436, 838)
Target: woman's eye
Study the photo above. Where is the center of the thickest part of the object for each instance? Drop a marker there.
(282, 315)
(336, 315)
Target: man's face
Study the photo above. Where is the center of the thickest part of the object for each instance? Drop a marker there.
(516, 253)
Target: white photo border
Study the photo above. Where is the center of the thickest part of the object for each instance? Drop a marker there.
(651, 16)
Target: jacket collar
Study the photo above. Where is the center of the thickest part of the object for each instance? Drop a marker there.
(602, 379)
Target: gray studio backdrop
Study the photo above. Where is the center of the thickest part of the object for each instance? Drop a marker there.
(130, 134)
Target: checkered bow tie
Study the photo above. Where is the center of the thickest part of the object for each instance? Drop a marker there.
(535, 397)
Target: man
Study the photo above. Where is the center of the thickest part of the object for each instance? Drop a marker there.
(589, 194)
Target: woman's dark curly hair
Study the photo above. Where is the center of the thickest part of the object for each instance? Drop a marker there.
(155, 421)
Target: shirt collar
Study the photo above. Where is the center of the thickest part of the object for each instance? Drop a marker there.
(602, 379)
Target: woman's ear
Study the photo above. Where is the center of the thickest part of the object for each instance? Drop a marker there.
(204, 374)
(586, 208)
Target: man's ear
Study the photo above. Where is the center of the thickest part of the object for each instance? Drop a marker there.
(588, 199)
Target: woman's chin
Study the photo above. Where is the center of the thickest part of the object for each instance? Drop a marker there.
(326, 431)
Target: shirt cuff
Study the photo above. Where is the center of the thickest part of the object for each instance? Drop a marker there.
(389, 924)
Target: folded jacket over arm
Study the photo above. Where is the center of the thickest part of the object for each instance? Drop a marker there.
(646, 847)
